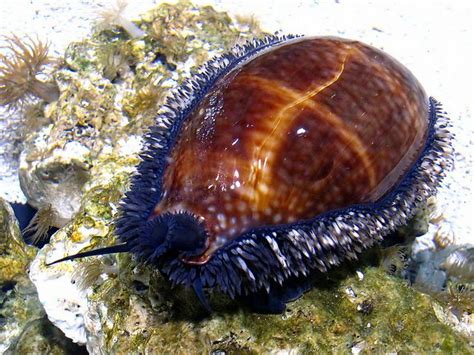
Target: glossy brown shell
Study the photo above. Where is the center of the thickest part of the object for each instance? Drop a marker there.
(306, 127)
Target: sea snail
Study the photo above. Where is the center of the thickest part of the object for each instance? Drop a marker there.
(285, 156)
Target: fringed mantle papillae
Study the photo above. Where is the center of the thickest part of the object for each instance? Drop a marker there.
(267, 256)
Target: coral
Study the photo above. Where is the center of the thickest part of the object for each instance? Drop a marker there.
(20, 67)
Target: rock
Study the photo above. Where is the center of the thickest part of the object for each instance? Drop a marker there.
(461, 322)
(128, 308)
(15, 255)
(110, 90)
(448, 276)
(24, 327)
(55, 180)
(65, 303)
(41, 337)
(132, 309)
(17, 303)
(20, 308)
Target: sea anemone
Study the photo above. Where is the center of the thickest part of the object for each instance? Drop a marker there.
(87, 274)
(460, 263)
(113, 16)
(37, 230)
(21, 64)
(395, 259)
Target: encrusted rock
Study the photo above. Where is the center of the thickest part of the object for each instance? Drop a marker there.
(111, 87)
(15, 255)
(24, 327)
(55, 180)
(18, 299)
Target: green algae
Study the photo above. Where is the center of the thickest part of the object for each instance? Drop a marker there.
(326, 319)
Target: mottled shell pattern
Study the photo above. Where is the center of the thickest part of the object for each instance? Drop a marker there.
(285, 156)
(311, 126)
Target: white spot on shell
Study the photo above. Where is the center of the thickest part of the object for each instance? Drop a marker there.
(300, 131)
(222, 220)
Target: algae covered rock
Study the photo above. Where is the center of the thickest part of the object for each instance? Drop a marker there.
(15, 255)
(55, 181)
(112, 304)
(111, 87)
(24, 327)
(376, 313)
(130, 308)
(60, 288)
(18, 299)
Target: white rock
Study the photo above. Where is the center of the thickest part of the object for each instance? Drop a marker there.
(63, 302)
